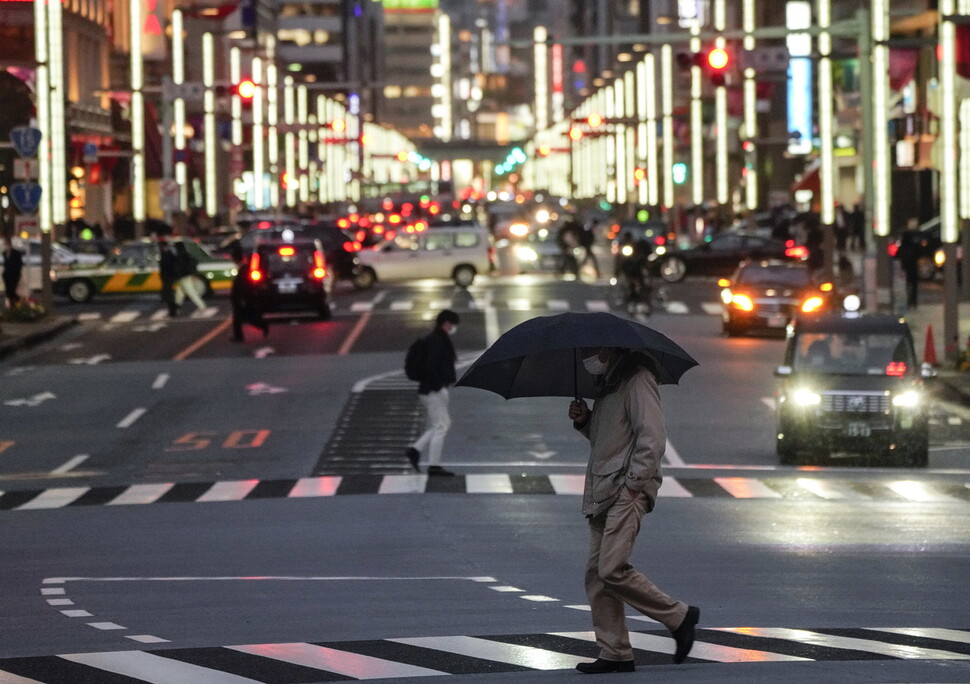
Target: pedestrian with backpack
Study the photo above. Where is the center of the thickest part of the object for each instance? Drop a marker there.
(437, 374)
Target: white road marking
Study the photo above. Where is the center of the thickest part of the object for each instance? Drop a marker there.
(558, 305)
(526, 656)
(488, 483)
(597, 305)
(57, 497)
(130, 419)
(747, 488)
(316, 486)
(677, 308)
(828, 489)
(491, 320)
(805, 636)
(361, 307)
(341, 662)
(263, 352)
(956, 635)
(402, 305)
(568, 484)
(411, 483)
(159, 315)
(77, 613)
(141, 494)
(673, 458)
(155, 669)
(160, 381)
(704, 651)
(229, 491)
(673, 489)
(770, 402)
(71, 464)
(89, 316)
(106, 626)
(712, 308)
(918, 491)
(147, 639)
(124, 316)
(519, 305)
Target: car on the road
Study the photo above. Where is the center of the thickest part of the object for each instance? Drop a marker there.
(133, 268)
(289, 276)
(850, 385)
(538, 252)
(653, 232)
(459, 251)
(767, 294)
(720, 255)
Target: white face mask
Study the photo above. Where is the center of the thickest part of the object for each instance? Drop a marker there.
(453, 330)
(594, 366)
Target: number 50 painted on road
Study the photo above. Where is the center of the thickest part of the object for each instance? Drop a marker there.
(238, 439)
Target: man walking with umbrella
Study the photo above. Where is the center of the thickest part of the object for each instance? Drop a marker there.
(627, 441)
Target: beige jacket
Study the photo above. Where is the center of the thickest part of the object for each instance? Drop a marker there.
(627, 441)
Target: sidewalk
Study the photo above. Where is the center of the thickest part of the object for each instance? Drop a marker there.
(14, 336)
(930, 316)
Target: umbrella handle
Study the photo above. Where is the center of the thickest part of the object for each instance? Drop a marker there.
(575, 373)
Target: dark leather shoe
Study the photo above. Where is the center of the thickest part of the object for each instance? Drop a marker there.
(684, 635)
(413, 456)
(439, 471)
(602, 666)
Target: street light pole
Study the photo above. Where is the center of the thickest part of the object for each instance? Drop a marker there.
(949, 197)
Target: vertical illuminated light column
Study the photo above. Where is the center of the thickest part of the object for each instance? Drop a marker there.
(43, 115)
(235, 120)
(798, 18)
(629, 112)
(653, 165)
(750, 95)
(614, 147)
(259, 142)
(667, 118)
(58, 96)
(209, 125)
(289, 141)
(355, 134)
(826, 116)
(178, 107)
(272, 120)
(137, 120)
(444, 59)
(539, 37)
(720, 115)
(881, 159)
(303, 145)
(696, 125)
(949, 198)
(642, 148)
(326, 152)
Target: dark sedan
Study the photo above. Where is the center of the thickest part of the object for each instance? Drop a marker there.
(767, 295)
(720, 255)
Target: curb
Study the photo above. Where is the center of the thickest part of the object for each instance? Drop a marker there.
(11, 343)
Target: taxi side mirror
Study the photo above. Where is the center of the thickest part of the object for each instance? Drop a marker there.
(927, 371)
(783, 371)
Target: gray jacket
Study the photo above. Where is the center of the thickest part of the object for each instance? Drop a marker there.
(627, 438)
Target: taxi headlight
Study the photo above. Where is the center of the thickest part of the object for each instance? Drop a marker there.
(526, 254)
(519, 229)
(742, 302)
(806, 397)
(908, 399)
(660, 250)
(626, 250)
(726, 295)
(812, 304)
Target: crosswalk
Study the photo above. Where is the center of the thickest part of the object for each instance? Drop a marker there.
(795, 487)
(338, 308)
(422, 656)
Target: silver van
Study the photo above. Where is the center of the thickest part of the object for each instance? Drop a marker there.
(458, 251)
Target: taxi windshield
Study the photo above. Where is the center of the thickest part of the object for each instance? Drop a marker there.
(854, 354)
(775, 275)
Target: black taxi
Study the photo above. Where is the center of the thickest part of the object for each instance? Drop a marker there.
(850, 385)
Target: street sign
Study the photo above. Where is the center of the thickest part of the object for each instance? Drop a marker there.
(169, 192)
(190, 90)
(26, 196)
(26, 223)
(26, 140)
(26, 168)
(90, 152)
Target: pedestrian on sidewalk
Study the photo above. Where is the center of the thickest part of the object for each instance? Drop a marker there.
(187, 284)
(908, 256)
(437, 376)
(13, 270)
(627, 439)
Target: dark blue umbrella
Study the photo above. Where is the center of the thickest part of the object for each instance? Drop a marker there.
(540, 357)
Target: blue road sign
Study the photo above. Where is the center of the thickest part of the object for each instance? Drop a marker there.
(26, 196)
(26, 140)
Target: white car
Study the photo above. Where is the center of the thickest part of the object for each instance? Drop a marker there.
(60, 256)
(458, 251)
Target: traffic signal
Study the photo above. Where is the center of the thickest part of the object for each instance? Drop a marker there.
(639, 175)
(245, 90)
(716, 64)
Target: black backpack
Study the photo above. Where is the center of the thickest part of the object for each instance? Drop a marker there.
(414, 359)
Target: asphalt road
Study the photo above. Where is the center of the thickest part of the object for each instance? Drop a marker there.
(202, 532)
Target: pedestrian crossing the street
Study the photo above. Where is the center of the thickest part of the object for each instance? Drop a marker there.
(422, 656)
(801, 487)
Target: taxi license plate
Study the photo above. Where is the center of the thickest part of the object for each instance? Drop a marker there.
(288, 286)
(777, 321)
(857, 429)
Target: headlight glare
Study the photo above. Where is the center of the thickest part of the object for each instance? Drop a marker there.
(806, 397)
(908, 399)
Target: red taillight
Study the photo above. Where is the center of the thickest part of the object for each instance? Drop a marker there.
(660, 240)
(893, 249)
(287, 251)
(264, 225)
(796, 252)
(896, 368)
(255, 274)
(343, 223)
(319, 270)
(352, 246)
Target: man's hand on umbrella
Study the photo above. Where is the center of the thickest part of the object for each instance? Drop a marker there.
(578, 412)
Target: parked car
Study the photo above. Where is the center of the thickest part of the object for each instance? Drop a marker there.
(60, 256)
(290, 275)
(133, 268)
(720, 255)
(850, 384)
(766, 295)
(459, 251)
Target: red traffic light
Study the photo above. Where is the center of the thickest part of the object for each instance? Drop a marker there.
(718, 59)
(246, 89)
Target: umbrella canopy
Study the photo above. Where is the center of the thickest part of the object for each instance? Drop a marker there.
(539, 358)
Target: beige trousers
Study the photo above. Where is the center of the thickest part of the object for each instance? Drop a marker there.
(612, 582)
